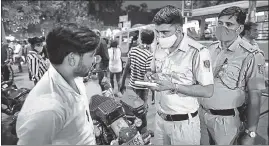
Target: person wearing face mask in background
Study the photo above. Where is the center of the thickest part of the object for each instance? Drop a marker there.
(238, 75)
(36, 63)
(185, 75)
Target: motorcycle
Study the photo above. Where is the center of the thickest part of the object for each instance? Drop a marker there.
(12, 97)
(111, 125)
(117, 121)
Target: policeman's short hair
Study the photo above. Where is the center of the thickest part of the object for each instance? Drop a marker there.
(114, 44)
(70, 37)
(234, 11)
(168, 15)
(147, 36)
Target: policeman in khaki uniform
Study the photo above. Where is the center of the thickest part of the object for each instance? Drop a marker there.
(238, 78)
(185, 75)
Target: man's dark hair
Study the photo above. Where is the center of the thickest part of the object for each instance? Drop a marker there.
(114, 44)
(106, 40)
(69, 38)
(147, 36)
(234, 11)
(43, 38)
(35, 40)
(248, 26)
(168, 15)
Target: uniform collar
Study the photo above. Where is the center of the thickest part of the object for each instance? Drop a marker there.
(183, 46)
(234, 45)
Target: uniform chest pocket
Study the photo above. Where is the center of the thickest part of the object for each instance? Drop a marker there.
(180, 72)
(229, 75)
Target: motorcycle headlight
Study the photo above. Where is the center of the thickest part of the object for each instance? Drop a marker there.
(138, 122)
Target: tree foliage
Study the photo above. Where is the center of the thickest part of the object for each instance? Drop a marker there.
(19, 15)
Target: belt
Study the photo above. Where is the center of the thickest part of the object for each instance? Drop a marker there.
(178, 117)
(223, 112)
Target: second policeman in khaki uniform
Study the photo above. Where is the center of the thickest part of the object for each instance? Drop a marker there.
(185, 75)
(238, 78)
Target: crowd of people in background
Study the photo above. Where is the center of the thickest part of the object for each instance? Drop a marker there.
(191, 80)
(30, 52)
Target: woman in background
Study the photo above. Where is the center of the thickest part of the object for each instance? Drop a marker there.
(115, 63)
(36, 63)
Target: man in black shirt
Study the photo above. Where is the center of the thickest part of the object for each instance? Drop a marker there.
(103, 65)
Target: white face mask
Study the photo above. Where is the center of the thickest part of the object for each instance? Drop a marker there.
(167, 42)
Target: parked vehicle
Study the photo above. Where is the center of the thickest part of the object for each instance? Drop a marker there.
(113, 118)
(112, 126)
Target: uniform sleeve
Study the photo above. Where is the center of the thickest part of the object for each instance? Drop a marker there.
(202, 68)
(39, 128)
(255, 73)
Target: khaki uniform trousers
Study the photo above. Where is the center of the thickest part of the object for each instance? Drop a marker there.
(221, 130)
(186, 132)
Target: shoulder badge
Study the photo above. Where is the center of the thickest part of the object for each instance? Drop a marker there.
(261, 68)
(207, 64)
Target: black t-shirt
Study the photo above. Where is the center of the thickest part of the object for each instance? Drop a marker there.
(4, 54)
(103, 51)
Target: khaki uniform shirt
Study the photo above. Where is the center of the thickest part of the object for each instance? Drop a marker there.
(230, 90)
(253, 43)
(188, 65)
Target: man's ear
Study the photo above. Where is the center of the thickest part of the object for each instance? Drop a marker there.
(179, 29)
(71, 59)
(241, 29)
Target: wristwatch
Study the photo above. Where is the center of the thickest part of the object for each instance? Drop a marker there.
(252, 134)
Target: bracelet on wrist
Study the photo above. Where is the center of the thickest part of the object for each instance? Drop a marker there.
(174, 89)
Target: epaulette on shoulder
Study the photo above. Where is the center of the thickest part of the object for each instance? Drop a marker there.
(260, 51)
(196, 45)
(248, 47)
(214, 43)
